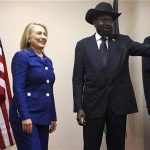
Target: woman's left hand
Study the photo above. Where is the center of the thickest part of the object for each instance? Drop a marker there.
(52, 126)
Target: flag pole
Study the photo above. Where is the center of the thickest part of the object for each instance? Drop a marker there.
(115, 30)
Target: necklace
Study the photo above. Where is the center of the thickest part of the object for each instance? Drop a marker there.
(40, 55)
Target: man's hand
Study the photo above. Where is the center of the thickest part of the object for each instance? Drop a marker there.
(148, 109)
(27, 126)
(81, 117)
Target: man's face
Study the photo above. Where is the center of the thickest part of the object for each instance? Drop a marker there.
(103, 25)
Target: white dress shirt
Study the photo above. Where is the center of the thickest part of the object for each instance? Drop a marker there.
(99, 41)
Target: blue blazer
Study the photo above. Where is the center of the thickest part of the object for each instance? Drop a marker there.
(33, 80)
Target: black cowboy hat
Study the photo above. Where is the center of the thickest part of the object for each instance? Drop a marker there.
(101, 8)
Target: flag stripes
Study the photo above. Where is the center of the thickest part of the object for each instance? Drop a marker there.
(6, 138)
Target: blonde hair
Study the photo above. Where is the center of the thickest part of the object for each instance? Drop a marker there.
(24, 43)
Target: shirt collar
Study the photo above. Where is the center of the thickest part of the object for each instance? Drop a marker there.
(98, 37)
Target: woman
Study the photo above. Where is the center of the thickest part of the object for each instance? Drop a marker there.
(32, 110)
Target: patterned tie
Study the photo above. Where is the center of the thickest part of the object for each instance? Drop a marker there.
(103, 50)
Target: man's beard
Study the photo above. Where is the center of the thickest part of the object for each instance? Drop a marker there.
(106, 33)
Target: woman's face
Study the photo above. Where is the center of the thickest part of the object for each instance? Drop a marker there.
(38, 37)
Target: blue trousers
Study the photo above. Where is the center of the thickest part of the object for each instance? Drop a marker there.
(37, 140)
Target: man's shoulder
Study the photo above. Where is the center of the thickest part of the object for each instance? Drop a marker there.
(122, 36)
(148, 37)
(86, 39)
(147, 40)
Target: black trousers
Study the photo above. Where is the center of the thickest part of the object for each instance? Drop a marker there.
(115, 132)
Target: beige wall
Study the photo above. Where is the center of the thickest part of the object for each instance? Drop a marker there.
(66, 25)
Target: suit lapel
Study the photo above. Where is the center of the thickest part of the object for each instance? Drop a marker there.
(31, 53)
(94, 51)
(114, 57)
(111, 52)
(41, 60)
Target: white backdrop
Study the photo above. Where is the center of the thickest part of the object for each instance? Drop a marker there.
(66, 25)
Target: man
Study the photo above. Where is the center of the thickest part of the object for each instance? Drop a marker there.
(102, 88)
(146, 75)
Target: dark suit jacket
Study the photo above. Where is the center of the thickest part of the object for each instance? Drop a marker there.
(33, 80)
(95, 87)
(146, 74)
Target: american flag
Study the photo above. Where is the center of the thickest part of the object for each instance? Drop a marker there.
(6, 137)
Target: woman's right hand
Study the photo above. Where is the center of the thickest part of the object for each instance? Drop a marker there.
(27, 126)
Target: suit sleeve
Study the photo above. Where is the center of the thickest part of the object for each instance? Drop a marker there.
(78, 78)
(138, 49)
(19, 70)
(53, 109)
(146, 75)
